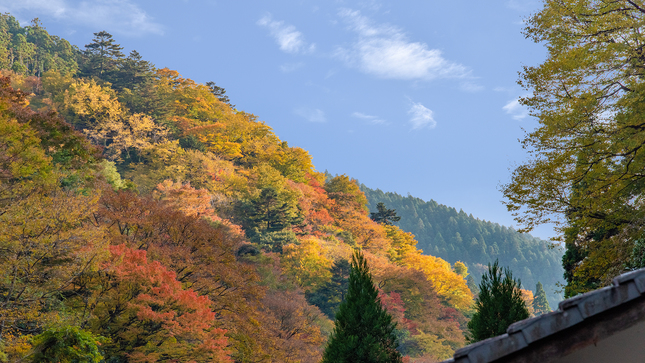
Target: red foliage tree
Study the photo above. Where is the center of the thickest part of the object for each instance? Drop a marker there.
(151, 317)
(203, 255)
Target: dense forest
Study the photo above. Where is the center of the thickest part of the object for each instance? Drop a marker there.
(456, 236)
(145, 218)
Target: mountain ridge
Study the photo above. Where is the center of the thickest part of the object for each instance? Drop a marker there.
(453, 235)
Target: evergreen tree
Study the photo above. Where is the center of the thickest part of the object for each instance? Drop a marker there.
(269, 212)
(498, 305)
(220, 93)
(267, 219)
(132, 72)
(329, 296)
(66, 344)
(364, 330)
(101, 56)
(540, 303)
(472, 285)
(384, 215)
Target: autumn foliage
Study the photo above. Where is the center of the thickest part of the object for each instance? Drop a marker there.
(147, 211)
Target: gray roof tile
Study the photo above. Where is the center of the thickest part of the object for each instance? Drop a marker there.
(570, 312)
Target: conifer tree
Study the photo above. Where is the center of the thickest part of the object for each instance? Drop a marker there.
(269, 212)
(384, 215)
(220, 93)
(472, 285)
(364, 330)
(329, 296)
(498, 305)
(540, 303)
(101, 56)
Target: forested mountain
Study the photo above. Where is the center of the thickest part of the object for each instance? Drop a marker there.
(144, 218)
(453, 235)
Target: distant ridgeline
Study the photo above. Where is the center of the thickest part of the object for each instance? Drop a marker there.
(454, 236)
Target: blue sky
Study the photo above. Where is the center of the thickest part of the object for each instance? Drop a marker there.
(414, 97)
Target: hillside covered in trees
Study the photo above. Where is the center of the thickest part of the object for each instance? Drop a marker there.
(453, 235)
(145, 218)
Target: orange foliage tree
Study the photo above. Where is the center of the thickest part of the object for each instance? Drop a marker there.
(429, 329)
(149, 316)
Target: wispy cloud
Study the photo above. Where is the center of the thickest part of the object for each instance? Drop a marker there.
(290, 67)
(311, 115)
(288, 38)
(371, 119)
(385, 51)
(517, 111)
(471, 87)
(422, 117)
(116, 16)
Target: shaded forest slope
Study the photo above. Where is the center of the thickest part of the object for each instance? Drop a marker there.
(453, 235)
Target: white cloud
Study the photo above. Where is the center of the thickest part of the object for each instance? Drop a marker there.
(116, 16)
(369, 118)
(517, 111)
(288, 38)
(311, 115)
(385, 51)
(421, 117)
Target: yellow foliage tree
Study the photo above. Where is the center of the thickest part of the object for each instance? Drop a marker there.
(46, 239)
(240, 137)
(169, 161)
(188, 104)
(460, 269)
(307, 263)
(527, 296)
(403, 244)
(88, 104)
(446, 282)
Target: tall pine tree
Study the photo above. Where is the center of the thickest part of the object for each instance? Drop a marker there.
(540, 303)
(384, 215)
(101, 57)
(364, 330)
(498, 305)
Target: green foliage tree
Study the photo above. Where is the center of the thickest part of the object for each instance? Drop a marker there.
(540, 303)
(133, 71)
(267, 217)
(67, 344)
(472, 285)
(364, 331)
(220, 93)
(269, 212)
(384, 215)
(31, 51)
(498, 305)
(330, 295)
(102, 56)
(134, 78)
(586, 154)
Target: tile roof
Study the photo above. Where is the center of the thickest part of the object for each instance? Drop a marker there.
(570, 312)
